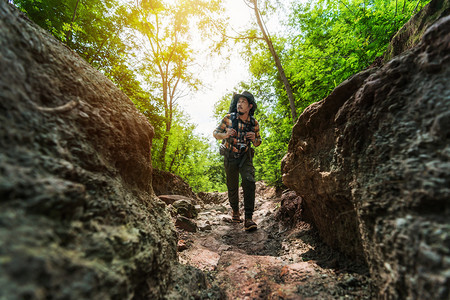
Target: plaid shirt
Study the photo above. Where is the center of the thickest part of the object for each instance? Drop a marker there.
(233, 142)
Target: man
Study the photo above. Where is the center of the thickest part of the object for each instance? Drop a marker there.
(239, 130)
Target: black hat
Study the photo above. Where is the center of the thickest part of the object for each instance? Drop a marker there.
(249, 97)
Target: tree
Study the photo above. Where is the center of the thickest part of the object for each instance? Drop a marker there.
(168, 54)
(91, 29)
(335, 39)
(253, 4)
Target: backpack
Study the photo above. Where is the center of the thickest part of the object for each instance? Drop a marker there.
(234, 119)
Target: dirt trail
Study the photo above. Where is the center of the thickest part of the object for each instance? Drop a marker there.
(273, 262)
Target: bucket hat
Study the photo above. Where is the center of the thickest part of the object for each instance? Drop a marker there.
(249, 97)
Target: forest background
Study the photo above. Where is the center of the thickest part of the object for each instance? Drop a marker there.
(150, 50)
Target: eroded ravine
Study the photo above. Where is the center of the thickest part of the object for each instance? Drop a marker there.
(274, 262)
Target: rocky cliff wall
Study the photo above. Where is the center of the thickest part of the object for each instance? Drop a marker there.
(372, 164)
(78, 217)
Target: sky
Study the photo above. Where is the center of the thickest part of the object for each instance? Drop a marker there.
(218, 77)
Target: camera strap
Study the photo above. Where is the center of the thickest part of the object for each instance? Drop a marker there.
(246, 126)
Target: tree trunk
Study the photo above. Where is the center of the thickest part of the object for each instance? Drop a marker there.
(168, 120)
(164, 148)
(173, 159)
(280, 69)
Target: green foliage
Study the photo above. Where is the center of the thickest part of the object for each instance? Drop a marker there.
(328, 41)
(52, 15)
(336, 39)
(222, 106)
(90, 28)
(276, 130)
(191, 157)
(203, 168)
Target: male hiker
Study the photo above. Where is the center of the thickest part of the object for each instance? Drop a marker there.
(240, 129)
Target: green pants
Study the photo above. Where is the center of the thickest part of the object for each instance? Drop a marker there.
(243, 166)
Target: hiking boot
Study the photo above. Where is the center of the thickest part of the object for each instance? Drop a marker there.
(236, 217)
(249, 225)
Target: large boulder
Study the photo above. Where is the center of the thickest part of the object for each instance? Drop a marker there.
(78, 216)
(372, 165)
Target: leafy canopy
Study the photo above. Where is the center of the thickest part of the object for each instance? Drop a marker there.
(326, 42)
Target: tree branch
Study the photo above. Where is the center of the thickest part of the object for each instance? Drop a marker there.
(243, 37)
(353, 13)
(418, 1)
(275, 57)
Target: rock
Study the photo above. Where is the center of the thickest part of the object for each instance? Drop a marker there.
(251, 277)
(203, 258)
(290, 211)
(371, 162)
(185, 208)
(213, 198)
(307, 169)
(171, 210)
(170, 199)
(78, 216)
(181, 245)
(186, 224)
(190, 283)
(227, 219)
(204, 226)
(221, 208)
(265, 191)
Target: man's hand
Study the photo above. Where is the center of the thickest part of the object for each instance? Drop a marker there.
(230, 132)
(250, 135)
